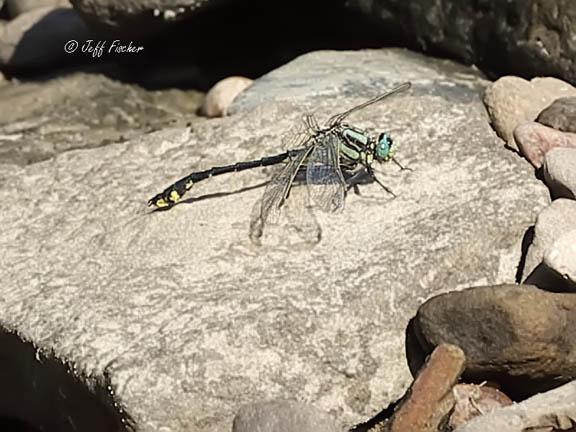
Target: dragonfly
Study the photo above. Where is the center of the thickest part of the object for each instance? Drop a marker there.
(333, 159)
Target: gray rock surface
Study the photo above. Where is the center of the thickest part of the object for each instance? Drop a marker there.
(36, 39)
(532, 38)
(517, 335)
(561, 257)
(138, 18)
(41, 119)
(512, 101)
(283, 416)
(18, 7)
(560, 115)
(557, 219)
(551, 411)
(560, 172)
(193, 320)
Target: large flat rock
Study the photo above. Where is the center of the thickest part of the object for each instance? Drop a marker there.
(192, 320)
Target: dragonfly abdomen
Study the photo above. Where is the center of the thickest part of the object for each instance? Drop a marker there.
(174, 193)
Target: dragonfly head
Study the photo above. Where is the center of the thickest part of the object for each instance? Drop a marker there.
(384, 148)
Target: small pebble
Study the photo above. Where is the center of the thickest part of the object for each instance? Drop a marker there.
(561, 115)
(512, 100)
(535, 140)
(560, 172)
(473, 400)
(561, 257)
(222, 94)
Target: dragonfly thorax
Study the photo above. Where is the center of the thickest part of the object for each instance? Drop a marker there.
(365, 147)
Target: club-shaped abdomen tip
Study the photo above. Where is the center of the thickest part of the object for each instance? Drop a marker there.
(165, 200)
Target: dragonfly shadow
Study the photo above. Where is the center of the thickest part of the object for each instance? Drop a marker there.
(192, 200)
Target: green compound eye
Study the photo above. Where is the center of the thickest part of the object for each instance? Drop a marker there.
(384, 147)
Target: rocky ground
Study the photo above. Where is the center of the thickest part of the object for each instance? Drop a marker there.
(446, 308)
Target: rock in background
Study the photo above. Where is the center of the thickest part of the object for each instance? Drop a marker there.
(193, 321)
(37, 39)
(138, 18)
(18, 7)
(39, 120)
(514, 335)
(528, 38)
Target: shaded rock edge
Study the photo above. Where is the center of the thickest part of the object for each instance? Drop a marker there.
(48, 393)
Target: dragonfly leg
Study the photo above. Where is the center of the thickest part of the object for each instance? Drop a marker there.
(402, 167)
(382, 185)
(387, 189)
(355, 179)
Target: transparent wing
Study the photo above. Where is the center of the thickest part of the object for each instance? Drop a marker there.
(300, 217)
(326, 184)
(267, 209)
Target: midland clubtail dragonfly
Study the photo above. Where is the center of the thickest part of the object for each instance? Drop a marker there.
(334, 159)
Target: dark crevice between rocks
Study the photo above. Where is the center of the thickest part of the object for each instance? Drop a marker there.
(379, 419)
(251, 38)
(526, 242)
(43, 393)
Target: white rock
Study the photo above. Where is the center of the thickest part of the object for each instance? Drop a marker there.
(222, 94)
(561, 257)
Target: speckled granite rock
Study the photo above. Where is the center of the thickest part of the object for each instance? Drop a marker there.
(191, 320)
(283, 416)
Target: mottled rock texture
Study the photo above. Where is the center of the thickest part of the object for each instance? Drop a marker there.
(283, 416)
(191, 320)
(523, 37)
(39, 120)
(517, 335)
